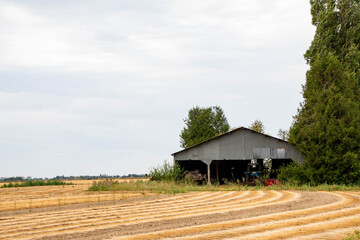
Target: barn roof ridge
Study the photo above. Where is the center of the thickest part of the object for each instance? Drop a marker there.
(226, 133)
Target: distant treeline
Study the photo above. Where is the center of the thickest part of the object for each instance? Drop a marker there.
(101, 176)
(30, 183)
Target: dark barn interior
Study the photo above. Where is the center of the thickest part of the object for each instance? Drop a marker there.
(223, 171)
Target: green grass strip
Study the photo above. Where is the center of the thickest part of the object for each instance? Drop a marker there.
(181, 187)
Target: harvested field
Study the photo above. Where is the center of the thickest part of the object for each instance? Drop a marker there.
(197, 215)
(32, 198)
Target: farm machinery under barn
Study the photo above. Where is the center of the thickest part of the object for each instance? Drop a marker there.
(254, 172)
(257, 172)
(196, 176)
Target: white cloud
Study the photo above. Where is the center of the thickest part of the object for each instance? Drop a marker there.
(121, 41)
(113, 81)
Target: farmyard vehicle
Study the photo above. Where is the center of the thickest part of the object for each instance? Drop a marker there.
(196, 176)
(254, 171)
(257, 172)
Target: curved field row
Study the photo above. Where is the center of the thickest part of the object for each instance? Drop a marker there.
(61, 201)
(13, 199)
(197, 215)
(312, 222)
(104, 217)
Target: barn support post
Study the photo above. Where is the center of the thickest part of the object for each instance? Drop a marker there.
(208, 175)
(208, 163)
(217, 171)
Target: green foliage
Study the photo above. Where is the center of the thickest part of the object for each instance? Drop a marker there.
(258, 126)
(167, 172)
(294, 173)
(202, 124)
(188, 179)
(30, 183)
(283, 134)
(104, 185)
(327, 127)
(354, 236)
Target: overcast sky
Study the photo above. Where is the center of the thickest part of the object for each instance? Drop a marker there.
(102, 87)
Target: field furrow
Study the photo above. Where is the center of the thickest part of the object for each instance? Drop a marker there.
(196, 215)
(156, 215)
(196, 232)
(90, 219)
(111, 212)
(279, 229)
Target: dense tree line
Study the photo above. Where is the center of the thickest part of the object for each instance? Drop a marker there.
(326, 128)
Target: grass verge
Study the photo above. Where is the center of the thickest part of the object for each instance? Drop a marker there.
(181, 187)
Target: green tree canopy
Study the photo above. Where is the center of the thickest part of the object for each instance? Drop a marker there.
(283, 134)
(202, 124)
(326, 128)
(258, 126)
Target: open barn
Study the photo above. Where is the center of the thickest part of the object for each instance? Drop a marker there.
(229, 156)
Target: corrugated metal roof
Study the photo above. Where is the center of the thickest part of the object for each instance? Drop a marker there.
(226, 133)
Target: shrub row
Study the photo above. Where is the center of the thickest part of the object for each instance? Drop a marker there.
(30, 183)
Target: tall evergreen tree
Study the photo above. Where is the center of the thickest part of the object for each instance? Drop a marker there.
(202, 124)
(327, 127)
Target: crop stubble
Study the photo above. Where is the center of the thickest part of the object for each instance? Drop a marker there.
(197, 215)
